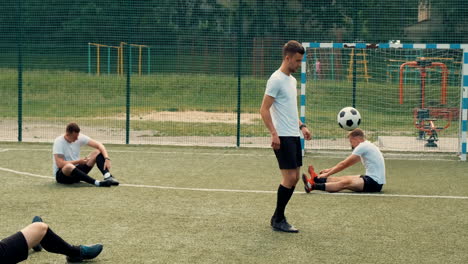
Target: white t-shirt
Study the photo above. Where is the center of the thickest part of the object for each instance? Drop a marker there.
(284, 112)
(372, 159)
(70, 151)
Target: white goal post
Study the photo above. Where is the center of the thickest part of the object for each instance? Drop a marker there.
(366, 77)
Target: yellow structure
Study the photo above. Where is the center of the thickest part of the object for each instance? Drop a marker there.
(361, 65)
(140, 56)
(98, 55)
(120, 57)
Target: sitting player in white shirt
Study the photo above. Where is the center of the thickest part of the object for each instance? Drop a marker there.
(364, 151)
(69, 167)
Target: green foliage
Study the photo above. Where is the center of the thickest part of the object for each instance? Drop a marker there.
(164, 22)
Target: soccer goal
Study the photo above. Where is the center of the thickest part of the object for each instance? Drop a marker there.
(412, 97)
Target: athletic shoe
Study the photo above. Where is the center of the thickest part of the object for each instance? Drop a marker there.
(283, 226)
(37, 219)
(313, 174)
(112, 180)
(308, 183)
(86, 252)
(105, 183)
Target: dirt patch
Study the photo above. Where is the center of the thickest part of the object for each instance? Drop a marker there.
(191, 117)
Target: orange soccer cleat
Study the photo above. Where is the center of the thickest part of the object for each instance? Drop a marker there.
(309, 184)
(312, 173)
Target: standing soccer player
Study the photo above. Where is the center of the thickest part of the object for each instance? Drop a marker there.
(280, 115)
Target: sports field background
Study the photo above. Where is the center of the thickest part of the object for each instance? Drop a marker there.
(194, 72)
(204, 66)
(212, 205)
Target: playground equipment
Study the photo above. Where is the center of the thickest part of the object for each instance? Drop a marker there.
(98, 57)
(120, 57)
(361, 65)
(140, 57)
(424, 118)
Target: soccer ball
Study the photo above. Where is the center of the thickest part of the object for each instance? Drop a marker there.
(349, 118)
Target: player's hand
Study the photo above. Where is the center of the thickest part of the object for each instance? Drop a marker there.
(323, 175)
(306, 133)
(83, 161)
(324, 171)
(107, 164)
(275, 142)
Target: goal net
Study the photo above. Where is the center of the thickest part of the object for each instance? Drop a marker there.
(410, 97)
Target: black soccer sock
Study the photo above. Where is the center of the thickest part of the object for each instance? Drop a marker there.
(319, 186)
(82, 176)
(55, 244)
(283, 196)
(320, 180)
(100, 163)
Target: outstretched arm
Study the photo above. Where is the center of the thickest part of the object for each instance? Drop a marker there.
(349, 161)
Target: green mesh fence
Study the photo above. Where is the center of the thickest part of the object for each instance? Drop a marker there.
(191, 72)
(398, 93)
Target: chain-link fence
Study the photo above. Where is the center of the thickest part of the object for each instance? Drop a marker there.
(179, 72)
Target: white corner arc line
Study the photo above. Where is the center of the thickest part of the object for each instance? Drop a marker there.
(26, 173)
(254, 191)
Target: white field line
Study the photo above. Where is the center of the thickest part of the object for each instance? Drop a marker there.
(254, 191)
(323, 154)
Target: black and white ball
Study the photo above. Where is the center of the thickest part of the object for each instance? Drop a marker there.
(349, 118)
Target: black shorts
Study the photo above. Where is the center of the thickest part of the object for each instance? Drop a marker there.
(13, 249)
(62, 178)
(370, 185)
(289, 155)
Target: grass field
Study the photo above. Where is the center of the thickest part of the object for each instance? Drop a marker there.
(212, 205)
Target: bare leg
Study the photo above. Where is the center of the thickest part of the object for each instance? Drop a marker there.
(40, 233)
(34, 233)
(290, 177)
(336, 184)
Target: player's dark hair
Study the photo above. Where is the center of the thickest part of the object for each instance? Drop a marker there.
(72, 128)
(357, 132)
(293, 47)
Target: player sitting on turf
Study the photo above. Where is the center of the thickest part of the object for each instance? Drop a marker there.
(38, 235)
(70, 168)
(364, 151)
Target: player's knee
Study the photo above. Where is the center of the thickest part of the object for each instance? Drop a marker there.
(296, 179)
(347, 182)
(68, 168)
(40, 227)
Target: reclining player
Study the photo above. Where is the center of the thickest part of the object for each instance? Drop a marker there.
(38, 235)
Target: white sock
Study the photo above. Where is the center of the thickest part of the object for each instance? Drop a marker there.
(107, 175)
(96, 182)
